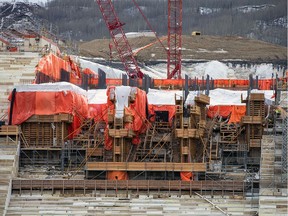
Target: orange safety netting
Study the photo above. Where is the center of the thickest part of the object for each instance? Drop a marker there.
(27, 104)
(186, 176)
(117, 175)
(235, 112)
(265, 84)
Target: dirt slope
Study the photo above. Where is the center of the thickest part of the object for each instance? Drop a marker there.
(195, 48)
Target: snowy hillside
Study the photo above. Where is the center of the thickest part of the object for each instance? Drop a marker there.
(18, 14)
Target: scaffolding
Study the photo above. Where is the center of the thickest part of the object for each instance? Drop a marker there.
(284, 149)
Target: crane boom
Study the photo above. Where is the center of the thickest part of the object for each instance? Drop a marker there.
(174, 39)
(115, 27)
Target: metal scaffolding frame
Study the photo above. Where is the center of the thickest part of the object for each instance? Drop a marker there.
(284, 149)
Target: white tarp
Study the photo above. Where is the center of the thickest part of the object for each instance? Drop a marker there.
(97, 96)
(217, 96)
(122, 95)
(162, 97)
(51, 87)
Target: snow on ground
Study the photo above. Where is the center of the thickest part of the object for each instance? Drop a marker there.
(215, 69)
(137, 34)
(162, 97)
(97, 96)
(219, 70)
(110, 72)
(165, 97)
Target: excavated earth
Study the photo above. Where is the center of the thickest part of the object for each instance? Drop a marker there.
(196, 48)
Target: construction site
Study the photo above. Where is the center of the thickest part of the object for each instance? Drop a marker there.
(77, 142)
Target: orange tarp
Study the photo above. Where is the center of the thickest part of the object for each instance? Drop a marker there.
(117, 175)
(235, 112)
(51, 66)
(170, 108)
(186, 176)
(97, 111)
(137, 109)
(27, 104)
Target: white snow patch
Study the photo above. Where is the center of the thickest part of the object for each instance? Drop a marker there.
(206, 11)
(217, 70)
(253, 8)
(200, 50)
(137, 34)
(97, 96)
(110, 72)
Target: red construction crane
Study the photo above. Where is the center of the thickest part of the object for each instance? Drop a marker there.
(174, 39)
(119, 38)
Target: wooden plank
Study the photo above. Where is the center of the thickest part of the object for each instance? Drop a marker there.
(202, 99)
(251, 119)
(186, 133)
(173, 185)
(148, 166)
(9, 130)
(64, 117)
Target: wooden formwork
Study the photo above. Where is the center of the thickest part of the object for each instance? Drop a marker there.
(46, 131)
(119, 133)
(145, 166)
(255, 114)
(228, 133)
(252, 120)
(204, 99)
(195, 110)
(6, 130)
(186, 133)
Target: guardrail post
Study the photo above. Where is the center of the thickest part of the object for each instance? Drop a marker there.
(148, 190)
(116, 187)
(95, 188)
(73, 187)
(106, 188)
(63, 185)
(190, 184)
(180, 187)
(52, 187)
(42, 185)
(20, 191)
(127, 188)
(30, 187)
(84, 185)
(169, 188)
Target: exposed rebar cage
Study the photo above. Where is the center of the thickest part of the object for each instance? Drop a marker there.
(174, 39)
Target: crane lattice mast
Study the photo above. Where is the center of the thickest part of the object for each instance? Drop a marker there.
(119, 38)
(174, 39)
